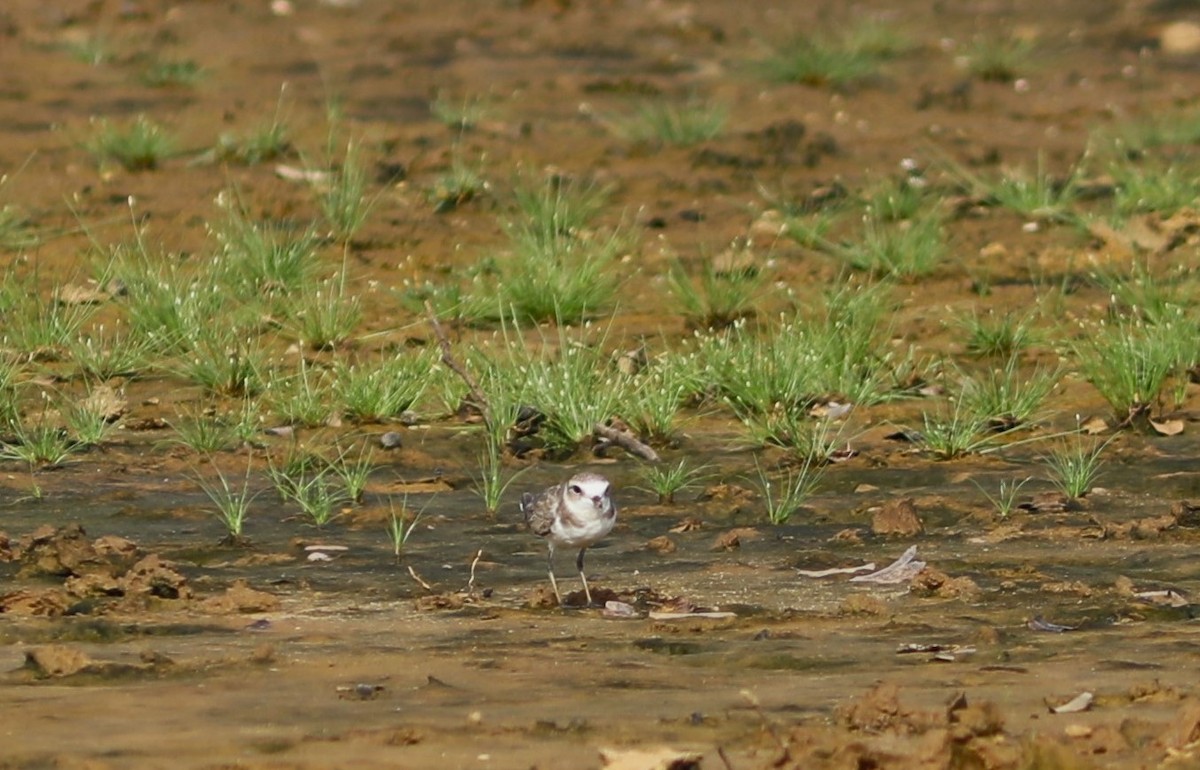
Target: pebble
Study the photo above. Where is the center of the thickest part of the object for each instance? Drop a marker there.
(1180, 38)
(390, 440)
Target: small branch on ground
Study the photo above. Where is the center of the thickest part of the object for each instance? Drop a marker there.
(473, 389)
(471, 582)
(417, 578)
(627, 441)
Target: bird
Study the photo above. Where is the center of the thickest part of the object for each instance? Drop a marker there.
(574, 514)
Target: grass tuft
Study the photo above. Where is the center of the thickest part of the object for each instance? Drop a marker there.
(139, 146)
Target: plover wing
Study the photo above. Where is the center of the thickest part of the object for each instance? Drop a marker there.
(541, 509)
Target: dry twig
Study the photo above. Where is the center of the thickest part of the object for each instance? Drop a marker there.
(417, 578)
(474, 391)
(626, 441)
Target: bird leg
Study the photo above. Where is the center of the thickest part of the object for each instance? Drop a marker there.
(579, 563)
(550, 572)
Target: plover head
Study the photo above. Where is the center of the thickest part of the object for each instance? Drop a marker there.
(588, 493)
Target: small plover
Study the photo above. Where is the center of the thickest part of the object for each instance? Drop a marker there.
(575, 514)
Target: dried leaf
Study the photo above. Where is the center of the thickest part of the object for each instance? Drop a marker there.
(900, 571)
(714, 614)
(1167, 427)
(105, 402)
(73, 294)
(1081, 702)
(293, 174)
(616, 609)
(820, 573)
(661, 758)
(687, 525)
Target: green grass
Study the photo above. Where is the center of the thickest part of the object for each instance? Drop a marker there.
(1153, 187)
(172, 73)
(563, 278)
(574, 384)
(303, 399)
(1037, 195)
(264, 258)
(677, 124)
(1144, 294)
(655, 398)
(344, 202)
(317, 498)
(203, 433)
(165, 299)
(1005, 399)
(951, 433)
(897, 199)
(575, 390)
(262, 143)
(785, 495)
(41, 328)
(89, 422)
(836, 348)
(560, 265)
(102, 355)
(905, 250)
(400, 528)
(1129, 363)
(1005, 500)
(810, 229)
(806, 438)
(1073, 467)
(325, 316)
(383, 389)
(12, 373)
(1178, 129)
(996, 335)
(39, 443)
(459, 184)
(225, 360)
(493, 480)
(557, 207)
(141, 145)
(93, 50)
(712, 298)
(233, 504)
(354, 471)
(667, 481)
(460, 114)
(998, 58)
(16, 232)
(849, 57)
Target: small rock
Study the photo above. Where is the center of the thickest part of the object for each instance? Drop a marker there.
(1077, 731)
(391, 440)
(848, 535)
(933, 581)
(263, 654)
(152, 576)
(897, 517)
(241, 598)
(55, 660)
(1180, 38)
(661, 545)
(864, 604)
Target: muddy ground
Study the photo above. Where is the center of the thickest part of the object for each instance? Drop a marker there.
(132, 638)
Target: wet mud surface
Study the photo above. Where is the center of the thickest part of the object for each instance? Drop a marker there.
(131, 636)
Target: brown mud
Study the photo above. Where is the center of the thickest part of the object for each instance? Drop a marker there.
(131, 637)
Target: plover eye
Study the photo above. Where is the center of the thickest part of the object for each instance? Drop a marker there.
(575, 490)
